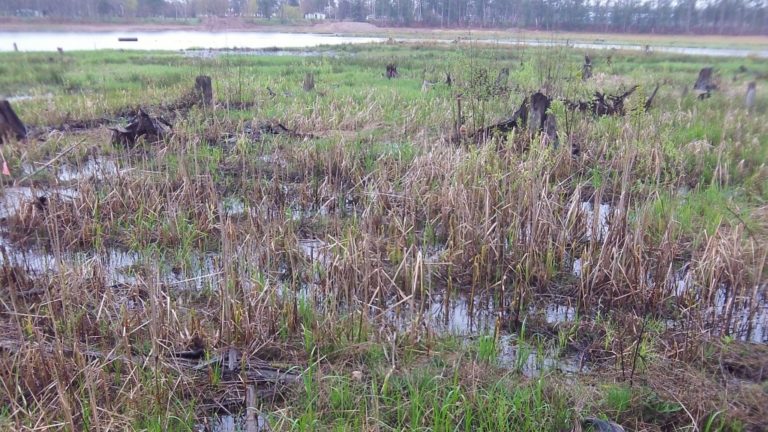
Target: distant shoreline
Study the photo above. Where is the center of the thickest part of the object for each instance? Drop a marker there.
(348, 28)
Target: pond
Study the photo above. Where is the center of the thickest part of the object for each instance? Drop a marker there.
(167, 40)
(185, 40)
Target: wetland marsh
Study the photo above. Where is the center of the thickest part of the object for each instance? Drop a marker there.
(369, 266)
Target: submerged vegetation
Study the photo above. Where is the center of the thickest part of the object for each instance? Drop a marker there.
(344, 259)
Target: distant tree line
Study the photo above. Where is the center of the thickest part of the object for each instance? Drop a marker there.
(642, 16)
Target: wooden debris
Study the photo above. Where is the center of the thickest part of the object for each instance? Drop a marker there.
(204, 90)
(276, 128)
(750, 98)
(502, 128)
(603, 104)
(532, 116)
(391, 71)
(142, 125)
(704, 83)
(255, 131)
(10, 125)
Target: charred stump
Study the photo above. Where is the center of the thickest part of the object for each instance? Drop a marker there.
(204, 90)
(10, 125)
(309, 81)
(531, 115)
(649, 101)
(391, 71)
(704, 83)
(538, 112)
(516, 121)
(142, 125)
(201, 95)
(550, 131)
(586, 68)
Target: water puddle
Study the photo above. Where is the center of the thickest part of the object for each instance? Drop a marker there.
(14, 198)
(26, 97)
(556, 313)
(233, 206)
(316, 251)
(746, 323)
(596, 223)
(534, 361)
(94, 168)
(116, 263)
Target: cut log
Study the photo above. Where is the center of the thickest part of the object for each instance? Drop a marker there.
(142, 125)
(704, 83)
(204, 90)
(10, 125)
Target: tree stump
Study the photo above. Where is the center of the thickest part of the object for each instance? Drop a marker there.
(538, 113)
(309, 81)
(154, 128)
(586, 68)
(501, 79)
(550, 131)
(10, 125)
(204, 90)
(751, 93)
(704, 83)
(391, 71)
